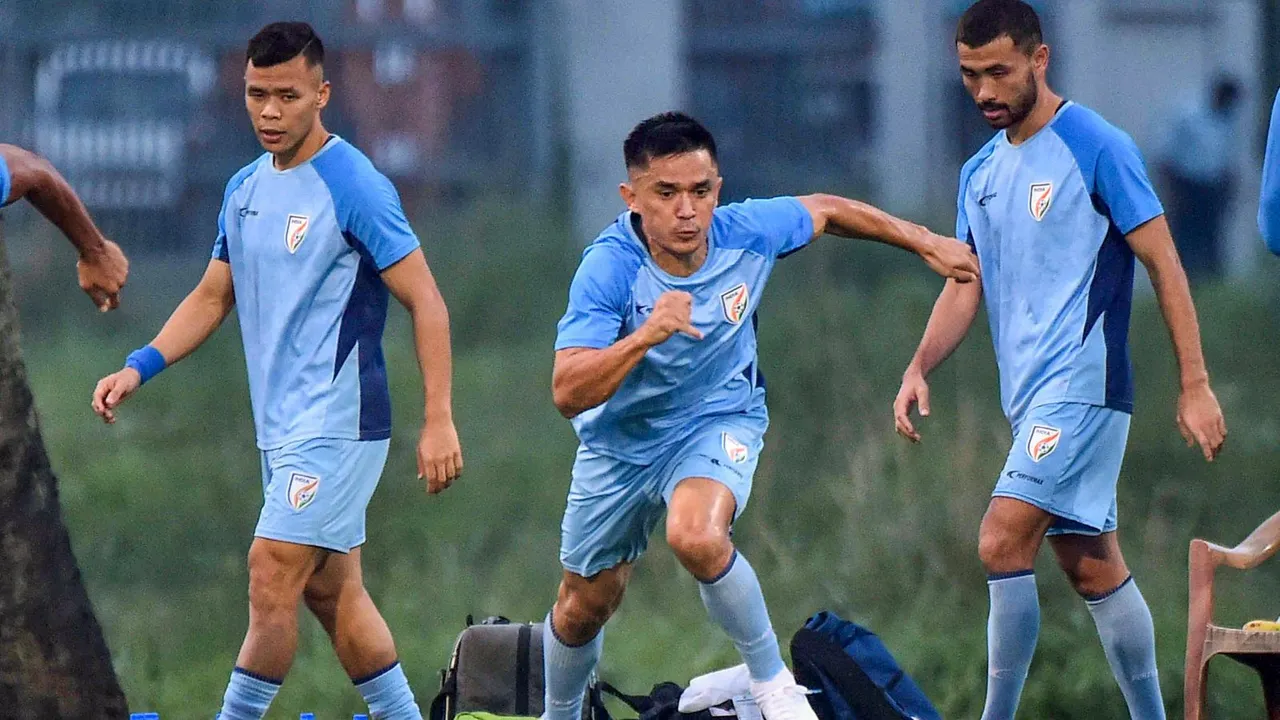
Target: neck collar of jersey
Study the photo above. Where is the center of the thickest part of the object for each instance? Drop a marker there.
(1062, 107)
(333, 140)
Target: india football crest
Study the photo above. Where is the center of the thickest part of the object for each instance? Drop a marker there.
(1043, 441)
(735, 303)
(302, 490)
(1041, 199)
(736, 451)
(295, 232)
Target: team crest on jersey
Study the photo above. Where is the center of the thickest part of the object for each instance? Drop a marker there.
(295, 232)
(735, 303)
(302, 490)
(1043, 441)
(1041, 199)
(736, 451)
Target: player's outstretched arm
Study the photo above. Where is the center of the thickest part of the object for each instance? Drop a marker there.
(1199, 415)
(439, 451)
(952, 316)
(586, 377)
(191, 323)
(1269, 202)
(946, 256)
(102, 267)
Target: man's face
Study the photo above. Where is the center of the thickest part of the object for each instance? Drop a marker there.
(1002, 79)
(284, 102)
(675, 197)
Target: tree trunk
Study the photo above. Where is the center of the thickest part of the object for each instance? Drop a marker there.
(54, 662)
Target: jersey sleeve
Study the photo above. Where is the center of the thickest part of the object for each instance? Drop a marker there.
(6, 182)
(1123, 185)
(1269, 201)
(781, 225)
(962, 216)
(377, 220)
(220, 251)
(598, 298)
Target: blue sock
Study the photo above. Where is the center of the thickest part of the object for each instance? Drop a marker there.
(387, 694)
(248, 696)
(1013, 626)
(1129, 639)
(735, 602)
(566, 671)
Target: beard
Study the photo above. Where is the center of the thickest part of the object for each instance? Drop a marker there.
(1017, 111)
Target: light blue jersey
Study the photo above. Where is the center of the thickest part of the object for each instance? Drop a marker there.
(1269, 202)
(1048, 220)
(306, 247)
(6, 182)
(682, 382)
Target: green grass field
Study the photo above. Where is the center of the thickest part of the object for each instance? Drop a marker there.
(844, 515)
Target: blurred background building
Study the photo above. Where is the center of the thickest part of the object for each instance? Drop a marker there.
(138, 100)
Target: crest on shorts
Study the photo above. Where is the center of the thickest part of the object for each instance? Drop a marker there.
(735, 303)
(302, 490)
(1043, 441)
(1041, 199)
(736, 451)
(295, 232)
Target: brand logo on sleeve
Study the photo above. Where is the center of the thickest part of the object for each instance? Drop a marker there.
(735, 303)
(736, 451)
(302, 490)
(1041, 199)
(1043, 441)
(295, 232)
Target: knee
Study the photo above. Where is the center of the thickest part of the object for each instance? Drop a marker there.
(703, 550)
(579, 616)
(1003, 552)
(273, 595)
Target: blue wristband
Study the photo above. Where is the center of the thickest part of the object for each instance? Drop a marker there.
(147, 361)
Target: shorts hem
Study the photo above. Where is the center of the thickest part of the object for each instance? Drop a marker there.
(592, 569)
(301, 540)
(1093, 529)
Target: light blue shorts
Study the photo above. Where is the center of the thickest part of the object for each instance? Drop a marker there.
(316, 491)
(1065, 460)
(614, 505)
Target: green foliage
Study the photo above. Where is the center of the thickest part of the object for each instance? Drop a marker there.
(844, 515)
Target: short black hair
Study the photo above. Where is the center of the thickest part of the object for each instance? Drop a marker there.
(281, 42)
(988, 20)
(665, 134)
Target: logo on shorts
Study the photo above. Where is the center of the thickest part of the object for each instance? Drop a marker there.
(1043, 441)
(296, 231)
(735, 303)
(1041, 199)
(302, 490)
(736, 451)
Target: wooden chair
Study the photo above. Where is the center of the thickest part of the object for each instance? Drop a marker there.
(1259, 650)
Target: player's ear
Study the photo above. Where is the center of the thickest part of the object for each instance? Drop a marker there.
(322, 97)
(1040, 58)
(628, 194)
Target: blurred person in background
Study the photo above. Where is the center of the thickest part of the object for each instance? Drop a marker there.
(1269, 201)
(1058, 206)
(102, 266)
(1197, 163)
(311, 240)
(656, 366)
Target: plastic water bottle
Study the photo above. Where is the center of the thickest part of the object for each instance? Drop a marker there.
(144, 716)
(359, 717)
(307, 716)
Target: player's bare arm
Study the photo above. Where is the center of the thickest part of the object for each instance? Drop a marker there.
(585, 377)
(192, 322)
(1199, 416)
(952, 315)
(102, 266)
(439, 451)
(840, 216)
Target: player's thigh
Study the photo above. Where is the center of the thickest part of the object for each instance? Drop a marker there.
(336, 573)
(725, 451)
(278, 572)
(1065, 460)
(318, 490)
(612, 509)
